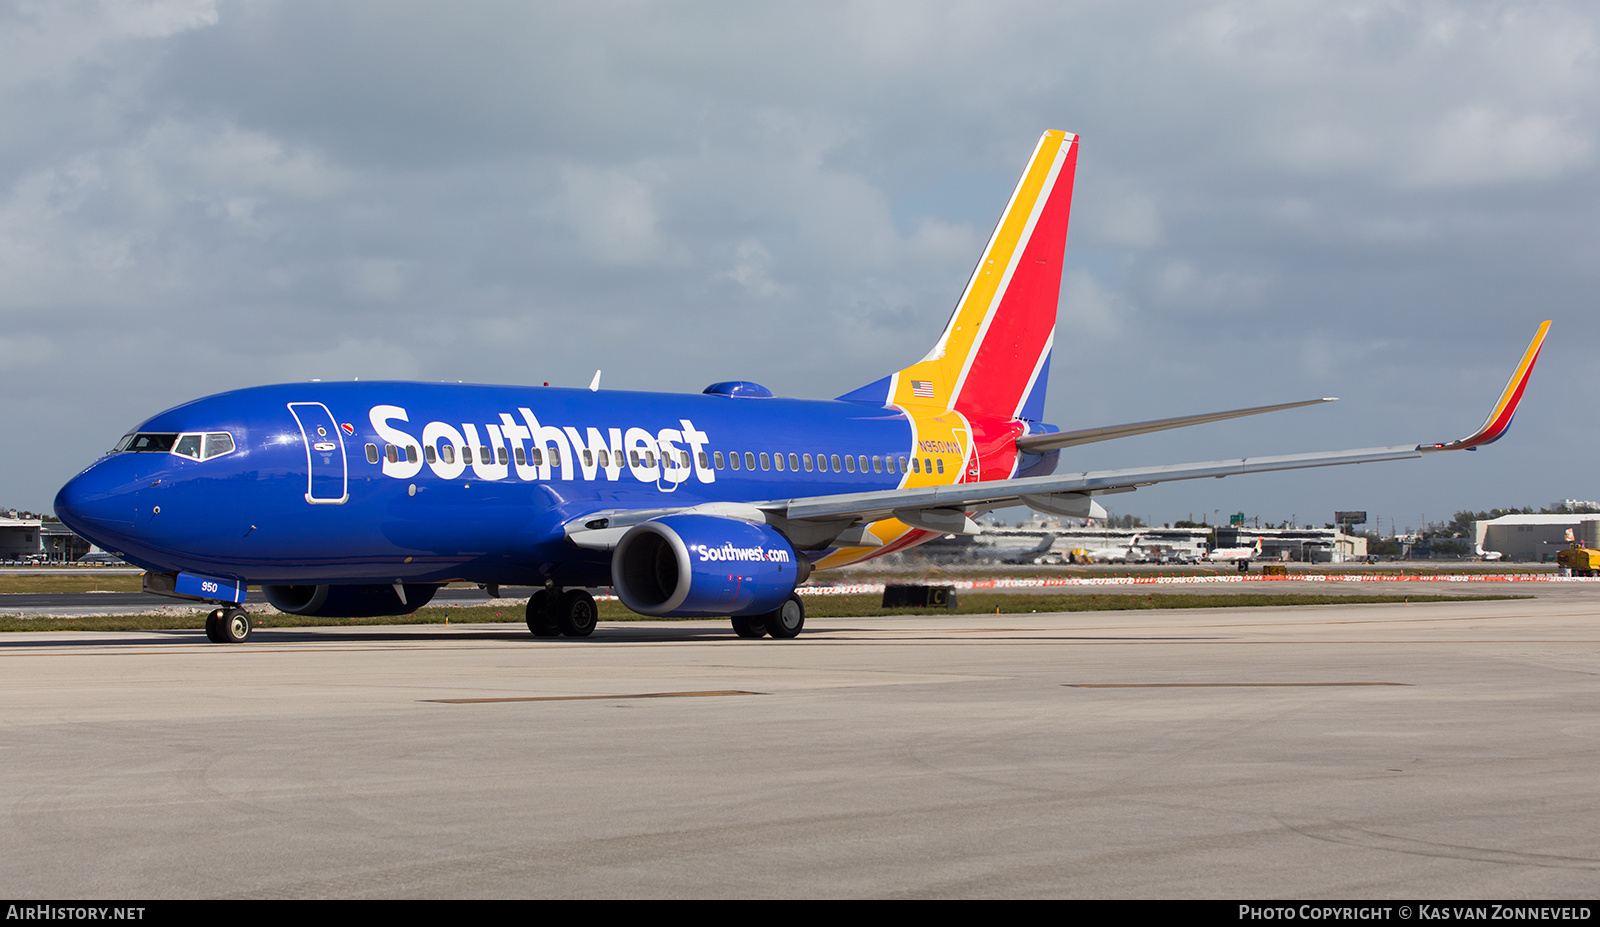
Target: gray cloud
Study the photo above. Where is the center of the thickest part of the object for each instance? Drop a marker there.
(1274, 201)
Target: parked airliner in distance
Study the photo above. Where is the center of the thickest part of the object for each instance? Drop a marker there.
(1239, 555)
(362, 498)
(1127, 553)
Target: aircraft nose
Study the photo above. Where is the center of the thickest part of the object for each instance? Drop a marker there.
(93, 503)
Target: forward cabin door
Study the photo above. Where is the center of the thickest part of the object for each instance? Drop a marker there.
(327, 471)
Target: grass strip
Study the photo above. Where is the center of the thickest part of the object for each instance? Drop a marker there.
(47, 583)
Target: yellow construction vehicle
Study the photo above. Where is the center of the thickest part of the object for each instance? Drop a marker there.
(1580, 560)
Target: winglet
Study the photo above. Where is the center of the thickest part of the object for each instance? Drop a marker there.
(1500, 416)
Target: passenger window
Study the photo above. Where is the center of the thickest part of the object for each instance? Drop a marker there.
(805, 459)
(555, 457)
(522, 460)
(940, 462)
(716, 459)
(861, 463)
(392, 453)
(733, 460)
(536, 456)
(683, 459)
(448, 453)
(705, 464)
(849, 463)
(484, 454)
(835, 462)
(794, 463)
(766, 461)
(888, 464)
(604, 458)
(187, 446)
(777, 462)
(504, 459)
(916, 465)
(428, 453)
(372, 453)
(649, 458)
(633, 459)
(749, 461)
(588, 458)
(411, 453)
(877, 464)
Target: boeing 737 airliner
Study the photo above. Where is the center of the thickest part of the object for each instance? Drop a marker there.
(361, 499)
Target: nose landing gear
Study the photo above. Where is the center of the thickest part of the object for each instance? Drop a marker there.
(228, 626)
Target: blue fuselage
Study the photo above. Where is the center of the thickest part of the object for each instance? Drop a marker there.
(415, 482)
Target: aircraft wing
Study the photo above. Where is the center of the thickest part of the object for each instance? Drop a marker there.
(944, 507)
(814, 521)
(928, 503)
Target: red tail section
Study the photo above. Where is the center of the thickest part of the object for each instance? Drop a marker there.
(992, 359)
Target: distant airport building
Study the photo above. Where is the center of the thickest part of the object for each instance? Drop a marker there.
(1026, 544)
(37, 539)
(999, 544)
(19, 538)
(58, 544)
(1303, 545)
(1534, 537)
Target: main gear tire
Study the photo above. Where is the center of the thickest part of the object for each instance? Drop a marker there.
(576, 613)
(541, 617)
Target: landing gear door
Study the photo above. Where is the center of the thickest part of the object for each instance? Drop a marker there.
(327, 472)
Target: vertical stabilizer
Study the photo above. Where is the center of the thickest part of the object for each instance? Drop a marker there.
(992, 359)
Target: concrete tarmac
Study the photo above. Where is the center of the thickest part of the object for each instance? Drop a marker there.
(1441, 750)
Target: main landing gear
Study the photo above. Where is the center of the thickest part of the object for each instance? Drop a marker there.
(228, 625)
(552, 612)
(783, 623)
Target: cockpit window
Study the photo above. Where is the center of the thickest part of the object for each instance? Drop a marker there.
(149, 443)
(193, 446)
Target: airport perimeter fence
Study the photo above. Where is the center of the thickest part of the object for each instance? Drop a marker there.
(1002, 585)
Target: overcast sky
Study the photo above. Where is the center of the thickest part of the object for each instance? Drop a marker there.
(1274, 201)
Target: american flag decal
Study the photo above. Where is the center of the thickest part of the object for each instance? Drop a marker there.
(923, 388)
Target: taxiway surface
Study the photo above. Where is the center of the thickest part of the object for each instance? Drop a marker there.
(1423, 750)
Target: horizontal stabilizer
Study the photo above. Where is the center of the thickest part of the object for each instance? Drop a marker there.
(1048, 442)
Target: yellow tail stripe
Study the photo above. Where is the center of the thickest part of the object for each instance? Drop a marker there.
(943, 366)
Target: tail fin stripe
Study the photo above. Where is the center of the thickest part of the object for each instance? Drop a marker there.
(998, 240)
(991, 359)
(1022, 326)
(1019, 251)
(991, 349)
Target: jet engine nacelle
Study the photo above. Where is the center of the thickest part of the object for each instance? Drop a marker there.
(348, 601)
(703, 565)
